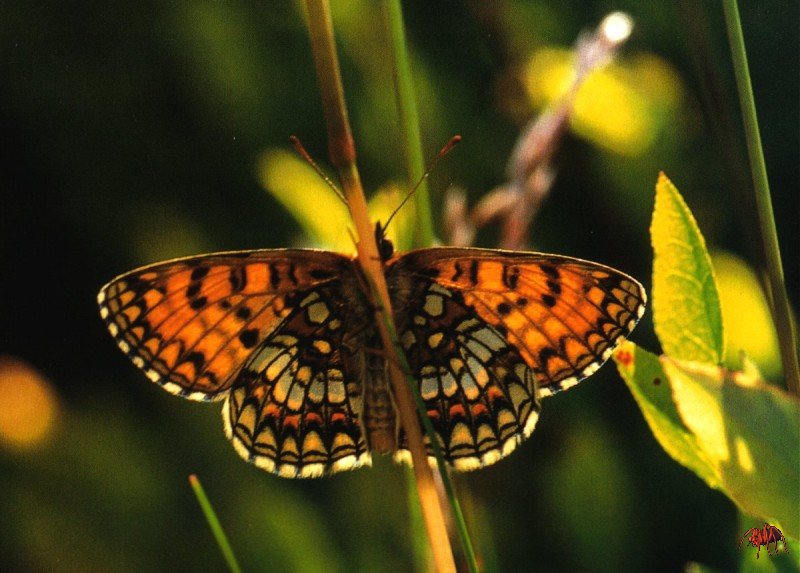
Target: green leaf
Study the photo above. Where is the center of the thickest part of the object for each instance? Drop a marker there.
(750, 432)
(321, 214)
(643, 374)
(746, 316)
(308, 198)
(686, 308)
(736, 432)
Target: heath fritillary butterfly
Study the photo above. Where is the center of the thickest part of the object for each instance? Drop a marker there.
(285, 338)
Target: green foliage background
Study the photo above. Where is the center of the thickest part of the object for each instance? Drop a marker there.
(134, 132)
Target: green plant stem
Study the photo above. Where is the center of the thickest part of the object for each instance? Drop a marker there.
(458, 516)
(419, 542)
(424, 235)
(779, 300)
(214, 524)
(343, 156)
(409, 120)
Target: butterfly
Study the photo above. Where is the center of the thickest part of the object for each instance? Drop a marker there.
(286, 339)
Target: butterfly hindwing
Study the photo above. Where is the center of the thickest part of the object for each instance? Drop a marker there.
(296, 406)
(479, 393)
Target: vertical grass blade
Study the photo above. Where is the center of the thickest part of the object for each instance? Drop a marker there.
(409, 119)
(447, 482)
(779, 301)
(214, 524)
(424, 237)
(421, 552)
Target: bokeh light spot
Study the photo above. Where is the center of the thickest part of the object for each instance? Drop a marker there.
(617, 27)
(743, 455)
(28, 405)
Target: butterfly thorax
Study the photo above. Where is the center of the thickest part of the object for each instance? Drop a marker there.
(385, 246)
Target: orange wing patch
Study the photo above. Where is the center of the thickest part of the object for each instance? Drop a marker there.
(191, 324)
(564, 316)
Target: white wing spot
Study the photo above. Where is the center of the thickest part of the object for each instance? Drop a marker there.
(434, 305)
(318, 312)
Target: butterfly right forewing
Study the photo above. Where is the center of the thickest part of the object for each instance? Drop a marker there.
(564, 315)
(487, 333)
(191, 323)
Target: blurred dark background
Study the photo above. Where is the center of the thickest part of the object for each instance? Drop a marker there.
(132, 132)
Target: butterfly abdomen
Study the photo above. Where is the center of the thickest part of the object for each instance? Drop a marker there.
(379, 415)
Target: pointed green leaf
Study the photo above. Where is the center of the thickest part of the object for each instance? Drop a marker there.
(646, 380)
(750, 432)
(686, 310)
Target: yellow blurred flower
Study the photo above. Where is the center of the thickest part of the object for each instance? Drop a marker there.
(622, 107)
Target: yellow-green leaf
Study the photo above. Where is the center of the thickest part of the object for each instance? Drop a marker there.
(321, 214)
(750, 432)
(650, 387)
(746, 316)
(303, 193)
(686, 309)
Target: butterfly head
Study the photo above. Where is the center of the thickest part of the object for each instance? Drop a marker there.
(385, 246)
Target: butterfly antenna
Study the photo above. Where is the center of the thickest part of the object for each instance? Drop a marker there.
(305, 155)
(447, 148)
